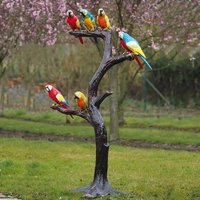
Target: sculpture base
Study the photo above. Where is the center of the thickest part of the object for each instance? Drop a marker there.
(98, 190)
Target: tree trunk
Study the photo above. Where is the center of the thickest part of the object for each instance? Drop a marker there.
(28, 96)
(99, 185)
(114, 122)
(2, 94)
(121, 115)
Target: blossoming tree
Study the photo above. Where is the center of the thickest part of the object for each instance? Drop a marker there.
(155, 23)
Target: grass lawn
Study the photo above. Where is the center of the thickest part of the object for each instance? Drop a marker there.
(45, 128)
(145, 134)
(192, 122)
(165, 121)
(42, 170)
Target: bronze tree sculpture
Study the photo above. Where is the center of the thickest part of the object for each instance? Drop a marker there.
(100, 185)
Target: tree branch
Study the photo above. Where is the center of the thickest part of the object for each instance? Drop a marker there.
(107, 62)
(118, 59)
(84, 33)
(71, 112)
(94, 83)
(101, 98)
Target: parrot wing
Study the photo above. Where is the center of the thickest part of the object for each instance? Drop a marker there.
(135, 48)
(127, 38)
(98, 19)
(91, 16)
(61, 99)
(78, 23)
(92, 19)
(84, 98)
(79, 26)
(107, 22)
(86, 101)
(89, 24)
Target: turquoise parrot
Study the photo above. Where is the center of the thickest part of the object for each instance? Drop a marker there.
(88, 20)
(132, 46)
(56, 96)
(74, 23)
(102, 19)
(81, 100)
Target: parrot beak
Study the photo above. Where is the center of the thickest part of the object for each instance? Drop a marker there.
(75, 97)
(101, 12)
(69, 13)
(47, 89)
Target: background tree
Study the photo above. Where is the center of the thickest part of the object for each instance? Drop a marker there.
(157, 24)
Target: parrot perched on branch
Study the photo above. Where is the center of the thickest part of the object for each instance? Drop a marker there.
(56, 96)
(81, 100)
(88, 20)
(74, 23)
(102, 19)
(132, 46)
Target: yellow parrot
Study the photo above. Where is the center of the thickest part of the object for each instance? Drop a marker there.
(81, 100)
(102, 19)
(88, 20)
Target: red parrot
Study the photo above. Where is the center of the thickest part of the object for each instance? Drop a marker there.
(56, 96)
(74, 23)
(136, 57)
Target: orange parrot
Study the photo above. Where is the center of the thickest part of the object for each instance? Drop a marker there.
(102, 19)
(81, 100)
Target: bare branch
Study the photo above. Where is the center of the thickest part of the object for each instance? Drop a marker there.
(107, 62)
(118, 59)
(72, 112)
(84, 33)
(101, 98)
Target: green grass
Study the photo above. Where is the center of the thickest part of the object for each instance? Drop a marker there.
(44, 128)
(36, 170)
(160, 136)
(49, 117)
(164, 121)
(145, 134)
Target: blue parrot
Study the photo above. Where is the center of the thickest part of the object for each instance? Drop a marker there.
(132, 45)
(88, 20)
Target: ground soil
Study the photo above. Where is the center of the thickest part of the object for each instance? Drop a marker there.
(130, 143)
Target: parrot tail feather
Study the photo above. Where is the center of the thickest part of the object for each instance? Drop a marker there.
(145, 61)
(138, 61)
(65, 103)
(81, 40)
